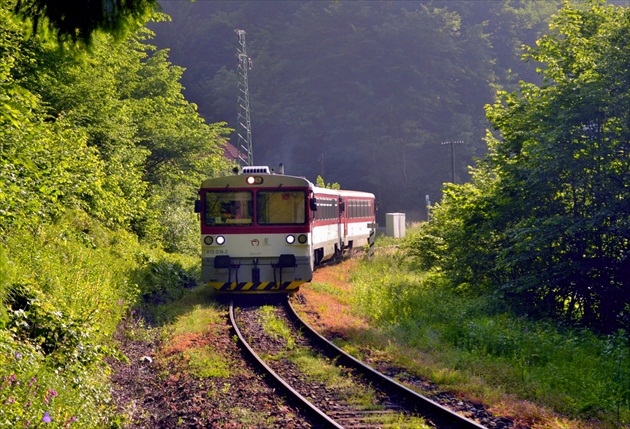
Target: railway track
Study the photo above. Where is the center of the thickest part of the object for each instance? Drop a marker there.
(336, 389)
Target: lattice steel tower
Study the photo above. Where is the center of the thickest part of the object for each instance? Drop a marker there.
(244, 127)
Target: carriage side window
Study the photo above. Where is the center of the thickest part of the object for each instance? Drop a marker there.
(228, 208)
(355, 209)
(359, 209)
(327, 209)
(280, 207)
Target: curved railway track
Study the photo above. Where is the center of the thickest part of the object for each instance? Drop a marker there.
(389, 404)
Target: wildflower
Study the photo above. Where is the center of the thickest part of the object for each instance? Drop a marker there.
(49, 395)
(46, 418)
(33, 380)
(18, 355)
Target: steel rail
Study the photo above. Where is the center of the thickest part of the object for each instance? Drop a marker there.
(316, 411)
(420, 403)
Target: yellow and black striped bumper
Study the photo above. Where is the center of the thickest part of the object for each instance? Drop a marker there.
(262, 287)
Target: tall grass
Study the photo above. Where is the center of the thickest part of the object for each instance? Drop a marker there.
(575, 372)
(80, 267)
(64, 289)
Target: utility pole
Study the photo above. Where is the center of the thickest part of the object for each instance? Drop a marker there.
(321, 165)
(453, 143)
(244, 127)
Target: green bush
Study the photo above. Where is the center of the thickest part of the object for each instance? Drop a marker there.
(62, 337)
(5, 276)
(68, 288)
(162, 278)
(179, 224)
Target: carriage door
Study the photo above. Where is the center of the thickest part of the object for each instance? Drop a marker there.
(343, 224)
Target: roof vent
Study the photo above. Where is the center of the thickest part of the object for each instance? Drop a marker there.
(255, 170)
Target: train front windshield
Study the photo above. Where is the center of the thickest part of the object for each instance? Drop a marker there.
(229, 208)
(280, 208)
(224, 208)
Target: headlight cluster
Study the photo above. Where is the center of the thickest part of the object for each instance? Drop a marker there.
(302, 239)
(208, 240)
(220, 240)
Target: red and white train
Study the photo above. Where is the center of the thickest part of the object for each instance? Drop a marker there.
(263, 232)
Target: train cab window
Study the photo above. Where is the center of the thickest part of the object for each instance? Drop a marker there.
(228, 208)
(280, 207)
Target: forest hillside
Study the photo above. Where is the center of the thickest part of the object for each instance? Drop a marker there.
(362, 93)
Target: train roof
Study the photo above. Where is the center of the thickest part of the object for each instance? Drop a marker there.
(356, 194)
(266, 180)
(269, 179)
(343, 193)
(325, 191)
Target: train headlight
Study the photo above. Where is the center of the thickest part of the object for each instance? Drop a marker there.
(208, 240)
(290, 239)
(302, 239)
(220, 240)
(254, 180)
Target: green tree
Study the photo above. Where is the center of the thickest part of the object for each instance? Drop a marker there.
(546, 218)
(43, 161)
(78, 20)
(570, 165)
(322, 184)
(82, 91)
(108, 131)
(137, 117)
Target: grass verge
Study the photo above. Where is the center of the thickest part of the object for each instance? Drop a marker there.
(318, 369)
(532, 370)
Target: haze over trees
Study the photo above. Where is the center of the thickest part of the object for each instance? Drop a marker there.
(361, 93)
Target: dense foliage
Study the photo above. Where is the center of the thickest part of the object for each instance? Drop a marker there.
(78, 20)
(544, 226)
(100, 157)
(359, 92)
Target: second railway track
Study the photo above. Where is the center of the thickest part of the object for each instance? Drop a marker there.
(346, 393)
